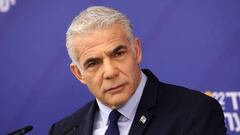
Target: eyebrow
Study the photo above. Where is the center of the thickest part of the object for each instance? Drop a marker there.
(115, 50)
(89, 60)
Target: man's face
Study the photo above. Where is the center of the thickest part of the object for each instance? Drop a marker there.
(109, 65)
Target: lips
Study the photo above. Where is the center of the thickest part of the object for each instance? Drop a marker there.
(115, 89)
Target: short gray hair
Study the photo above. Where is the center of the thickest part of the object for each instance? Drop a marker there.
(93, 18)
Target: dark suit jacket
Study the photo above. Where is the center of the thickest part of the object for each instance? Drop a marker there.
(169, 110)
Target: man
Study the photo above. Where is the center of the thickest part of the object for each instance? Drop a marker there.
(105, 57)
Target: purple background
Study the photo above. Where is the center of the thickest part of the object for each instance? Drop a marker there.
(193, 43)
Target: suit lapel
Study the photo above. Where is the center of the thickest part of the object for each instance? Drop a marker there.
(86, 125)
(140, 122)
(146, 106)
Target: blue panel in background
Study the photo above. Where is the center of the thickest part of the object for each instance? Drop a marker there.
(185, 42)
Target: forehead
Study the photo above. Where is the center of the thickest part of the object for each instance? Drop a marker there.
(99, 40)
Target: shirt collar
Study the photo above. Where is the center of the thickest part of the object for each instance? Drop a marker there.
(130, 108)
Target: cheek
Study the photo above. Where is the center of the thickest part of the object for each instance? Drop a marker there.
(133, 75)
(132, 66)
(94, 84)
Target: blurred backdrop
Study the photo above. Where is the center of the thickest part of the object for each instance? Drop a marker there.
(192, 43)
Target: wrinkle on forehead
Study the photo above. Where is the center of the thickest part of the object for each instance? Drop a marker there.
(99, 39)
(100, 50)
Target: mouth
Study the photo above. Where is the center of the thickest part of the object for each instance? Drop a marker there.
(115, 89)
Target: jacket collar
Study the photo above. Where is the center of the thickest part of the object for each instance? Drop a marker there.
(84, 122)
(146, 105)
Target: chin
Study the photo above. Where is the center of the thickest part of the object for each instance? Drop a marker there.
(118, 104)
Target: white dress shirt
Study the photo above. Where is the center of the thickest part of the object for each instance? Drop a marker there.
(128, 112)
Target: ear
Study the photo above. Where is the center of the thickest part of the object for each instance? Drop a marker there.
(76, 72)
(138, 50)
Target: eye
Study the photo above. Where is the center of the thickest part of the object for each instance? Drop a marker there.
(119, 53)
(92, 64)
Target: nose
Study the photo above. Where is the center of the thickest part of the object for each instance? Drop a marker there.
(110, 69)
